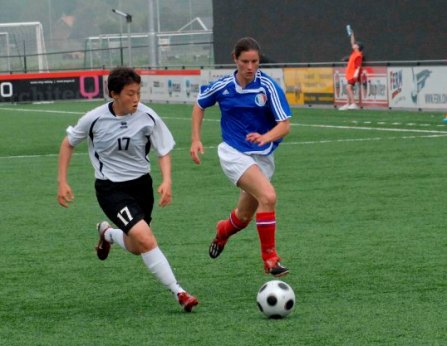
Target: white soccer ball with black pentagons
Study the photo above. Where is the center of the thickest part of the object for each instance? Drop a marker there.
(276, 299)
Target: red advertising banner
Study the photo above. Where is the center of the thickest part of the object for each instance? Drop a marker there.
(372, 91)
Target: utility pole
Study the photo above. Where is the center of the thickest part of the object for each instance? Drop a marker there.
(152, 37)
(129, 38)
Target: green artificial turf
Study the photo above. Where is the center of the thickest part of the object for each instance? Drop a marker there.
(361, 226)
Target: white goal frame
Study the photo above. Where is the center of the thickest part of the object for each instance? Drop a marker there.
(35, 44)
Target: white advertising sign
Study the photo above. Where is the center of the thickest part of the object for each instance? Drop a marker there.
(170, 86)
(208, 76)
(420, 87)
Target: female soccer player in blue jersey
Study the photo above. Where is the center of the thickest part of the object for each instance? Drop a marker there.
(119, 135)
(254, 120)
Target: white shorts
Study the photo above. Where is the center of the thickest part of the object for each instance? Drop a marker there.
(234, 163)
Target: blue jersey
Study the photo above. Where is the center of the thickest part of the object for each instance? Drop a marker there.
(256, 108)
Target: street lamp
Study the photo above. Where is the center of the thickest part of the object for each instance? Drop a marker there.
(152, 44)
(128, 21)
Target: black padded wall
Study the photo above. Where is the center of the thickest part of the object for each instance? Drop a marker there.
(314, 30)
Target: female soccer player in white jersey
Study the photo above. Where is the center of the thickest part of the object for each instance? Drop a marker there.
(254, 119)
(120, 134)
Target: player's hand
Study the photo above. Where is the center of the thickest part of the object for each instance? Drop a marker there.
(165, 192)
(256, 138)
(64, 195)
(196, 149)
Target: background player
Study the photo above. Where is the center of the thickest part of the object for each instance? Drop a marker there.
(353, 70)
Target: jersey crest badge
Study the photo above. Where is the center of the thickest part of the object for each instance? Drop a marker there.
(261, 99)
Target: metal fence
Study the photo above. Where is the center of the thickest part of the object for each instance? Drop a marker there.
(172, 50)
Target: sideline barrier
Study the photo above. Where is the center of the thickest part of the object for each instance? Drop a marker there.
(383, 87)
(38, 87)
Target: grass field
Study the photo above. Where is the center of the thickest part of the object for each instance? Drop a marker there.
(361, 226)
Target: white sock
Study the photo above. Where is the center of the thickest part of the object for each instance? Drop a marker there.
(115, 235)
(158, 265)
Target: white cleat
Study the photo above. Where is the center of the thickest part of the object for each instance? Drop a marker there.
(344, 108)
(353, 106)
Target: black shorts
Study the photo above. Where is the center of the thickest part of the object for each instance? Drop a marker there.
(126, 203)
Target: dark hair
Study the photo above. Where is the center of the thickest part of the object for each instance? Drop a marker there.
(119, 77)
(245, 44)
(361, 46)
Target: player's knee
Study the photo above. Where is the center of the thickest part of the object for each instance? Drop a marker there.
(143, 245)
(245, 217)
(268, 199)
(141, 240)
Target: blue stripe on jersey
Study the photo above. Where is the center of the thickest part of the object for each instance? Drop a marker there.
(90, 131)
(90, 134)
(256, 108)
(150, 116)
(147, 148)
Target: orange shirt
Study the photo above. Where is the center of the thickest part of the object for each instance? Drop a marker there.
(354, 62)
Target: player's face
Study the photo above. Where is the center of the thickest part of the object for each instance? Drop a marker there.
(247, 63)
(127, 100)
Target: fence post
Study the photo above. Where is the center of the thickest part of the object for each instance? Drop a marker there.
(24, 57)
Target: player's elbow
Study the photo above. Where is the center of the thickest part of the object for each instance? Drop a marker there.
(66, 144)
(286, 127)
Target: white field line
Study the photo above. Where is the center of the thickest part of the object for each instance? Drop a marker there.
(373, 128)
(39, 110)
(293, 124)
(428, 133)
(369, 139)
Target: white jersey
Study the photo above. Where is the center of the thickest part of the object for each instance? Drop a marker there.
(118, 146)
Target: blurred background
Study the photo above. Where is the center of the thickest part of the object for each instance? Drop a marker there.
(46, 35)
(52, 35)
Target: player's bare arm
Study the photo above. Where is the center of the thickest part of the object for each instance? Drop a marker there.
(281, 130)
(65, 194)
(196, 144)
(352, 38)
(165, 188)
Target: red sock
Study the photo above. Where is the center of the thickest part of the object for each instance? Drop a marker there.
(231, 225)
(266, 225)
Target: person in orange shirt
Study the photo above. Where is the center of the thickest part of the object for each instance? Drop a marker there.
(353, 70)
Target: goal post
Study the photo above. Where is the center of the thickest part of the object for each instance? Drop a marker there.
(23, 47)
(5, 63)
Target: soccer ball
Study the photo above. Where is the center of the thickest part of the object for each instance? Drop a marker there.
(275, 299)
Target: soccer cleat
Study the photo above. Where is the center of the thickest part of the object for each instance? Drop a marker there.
(353, 106)
(344, 108)
(103, 247)
(218, 244)
(275, 269)
(187, 301)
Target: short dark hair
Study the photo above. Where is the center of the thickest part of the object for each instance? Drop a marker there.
(361, 46)
(245, 44)
(121, 76)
